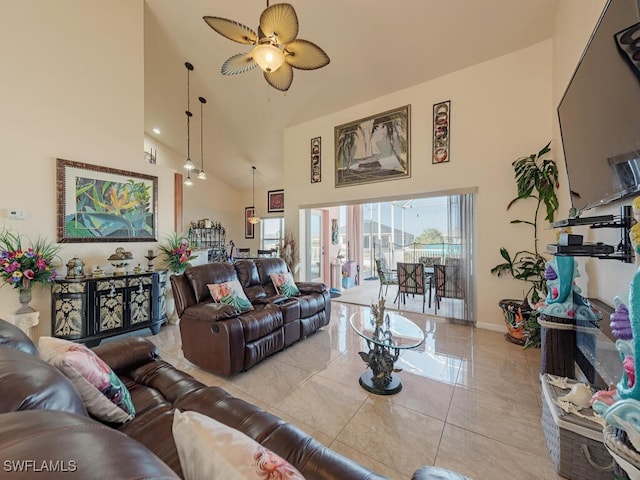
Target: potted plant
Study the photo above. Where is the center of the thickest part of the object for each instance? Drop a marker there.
(536, 179)
(177, 253)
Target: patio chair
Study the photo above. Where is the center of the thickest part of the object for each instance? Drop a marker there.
(448, 283)
(387, 277)
(411, 280)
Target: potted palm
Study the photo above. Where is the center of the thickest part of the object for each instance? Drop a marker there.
(537, 180)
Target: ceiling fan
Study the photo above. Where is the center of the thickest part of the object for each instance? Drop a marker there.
(276, 49)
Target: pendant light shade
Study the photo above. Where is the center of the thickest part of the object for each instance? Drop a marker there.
(188, 164)
(201, 174)
(253, 219)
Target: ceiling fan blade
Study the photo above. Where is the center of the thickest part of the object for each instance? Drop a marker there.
(305, 55)
(232, 30)
(280, 79)
(279, 22)
(239, 63)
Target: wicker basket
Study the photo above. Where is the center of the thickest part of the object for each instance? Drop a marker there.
(575, 444)
(627, 458)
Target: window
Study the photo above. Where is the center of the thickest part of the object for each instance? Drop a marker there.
(271, 233)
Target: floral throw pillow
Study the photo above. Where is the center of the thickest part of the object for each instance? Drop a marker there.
(210, 449)
(230, 293)
(104, 395)
(285, 285)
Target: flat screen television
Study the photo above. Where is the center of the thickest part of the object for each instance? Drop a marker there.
(599, 113)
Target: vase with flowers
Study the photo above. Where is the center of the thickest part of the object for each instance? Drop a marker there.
(177, 253)
(21, 267)
(289, 251)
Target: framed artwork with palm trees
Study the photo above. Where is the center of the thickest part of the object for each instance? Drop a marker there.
(374, 149)
(99, 204)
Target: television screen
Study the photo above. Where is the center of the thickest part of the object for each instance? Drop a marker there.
(600, 111)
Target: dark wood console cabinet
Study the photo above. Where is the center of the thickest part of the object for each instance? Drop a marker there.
(91, 309)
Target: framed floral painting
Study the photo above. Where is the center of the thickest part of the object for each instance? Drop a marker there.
(248, 226)
(275, 201)
(99, 204)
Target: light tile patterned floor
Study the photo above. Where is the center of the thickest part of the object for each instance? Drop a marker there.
(470, 400)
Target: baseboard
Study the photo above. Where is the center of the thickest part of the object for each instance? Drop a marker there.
(491, 326)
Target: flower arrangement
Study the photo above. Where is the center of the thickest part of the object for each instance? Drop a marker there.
(289, 251)
(20, 267)
(177, 253)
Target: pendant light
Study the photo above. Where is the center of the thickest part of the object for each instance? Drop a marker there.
(253, 219)
(201, 174)
(188, 164)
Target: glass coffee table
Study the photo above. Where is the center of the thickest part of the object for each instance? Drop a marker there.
(385, 343)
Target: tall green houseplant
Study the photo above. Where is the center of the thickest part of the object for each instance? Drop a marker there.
(536, 179)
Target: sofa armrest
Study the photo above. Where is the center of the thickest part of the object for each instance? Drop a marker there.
(275, 299)
(210, 312)
(436, 473)
(127, 353)
(311, 287)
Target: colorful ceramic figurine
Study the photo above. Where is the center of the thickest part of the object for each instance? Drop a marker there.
(564, 299)
(621, 407)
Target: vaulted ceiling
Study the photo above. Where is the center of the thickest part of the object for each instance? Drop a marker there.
(376, 47)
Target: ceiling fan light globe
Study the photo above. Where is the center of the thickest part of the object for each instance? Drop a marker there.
(188, 182)
(268, 57)
(188, 164)
(202, 175)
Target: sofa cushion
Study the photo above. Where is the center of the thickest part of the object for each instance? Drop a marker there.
(78, 447)
(310, 304)
(230, 293)
(284, 284)
(210, 449)
(203, 275)
(29, 383)
(260, 322)
(105, 396)
(12, 337)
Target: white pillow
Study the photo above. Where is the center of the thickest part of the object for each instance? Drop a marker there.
(209, 449)
(104, 395)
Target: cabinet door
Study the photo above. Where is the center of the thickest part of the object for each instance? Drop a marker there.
(139, 291)
(161, 302)
(110, 305)
(69, 305)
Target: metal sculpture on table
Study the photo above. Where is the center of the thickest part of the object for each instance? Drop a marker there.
(382, 355)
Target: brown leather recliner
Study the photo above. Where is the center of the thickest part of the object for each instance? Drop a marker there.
(217, 336)
(221, 339)
(303, 314)
(44, 424)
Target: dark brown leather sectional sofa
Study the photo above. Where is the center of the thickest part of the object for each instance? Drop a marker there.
(45, 431)
(218, 338)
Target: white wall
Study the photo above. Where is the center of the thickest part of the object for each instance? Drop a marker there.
(501, 110)
(70, 88)
(209, 198)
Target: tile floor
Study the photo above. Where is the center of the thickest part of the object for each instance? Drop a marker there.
(470, 400)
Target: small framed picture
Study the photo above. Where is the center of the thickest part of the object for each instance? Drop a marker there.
(316, 160)
(441, 132)
(275, 201)
(248, 227)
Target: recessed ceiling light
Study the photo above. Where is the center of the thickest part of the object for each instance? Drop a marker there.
(156, 131)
